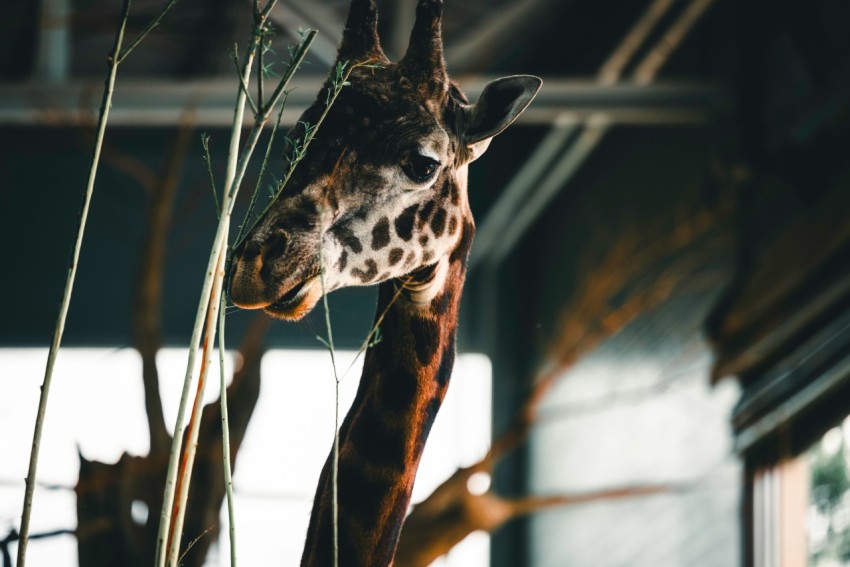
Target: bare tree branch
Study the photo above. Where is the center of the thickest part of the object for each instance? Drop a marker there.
(452, 512)
(147, 305)
(108, 536)
(632, 277)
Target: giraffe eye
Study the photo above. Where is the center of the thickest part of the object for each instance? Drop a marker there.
(419, 168)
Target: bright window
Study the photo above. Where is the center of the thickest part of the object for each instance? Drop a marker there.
(96, 404)
(801, 506)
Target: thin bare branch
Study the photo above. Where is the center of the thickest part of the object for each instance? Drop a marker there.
(250, 210)
(243, 84)
(178, 477)
(225, 439)
(166, 528)
(329, 343)
(377, 326)
(193, 542)
(264, 15)
(205, 142)
(531, 504)
(148, 29)
(69, 286)
(294, 64)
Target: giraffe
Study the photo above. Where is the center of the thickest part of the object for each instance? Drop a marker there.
(381, 198)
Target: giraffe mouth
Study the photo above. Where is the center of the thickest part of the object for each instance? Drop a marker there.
(296, 302)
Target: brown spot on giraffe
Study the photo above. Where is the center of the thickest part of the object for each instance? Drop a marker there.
(396, 254)
(381, 234)
(347, 237)
(425, 213)
(452, 226)
(368, 273)
(438, 223)
(404, 222)
(425, 338)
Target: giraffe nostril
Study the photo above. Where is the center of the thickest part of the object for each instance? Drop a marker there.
(276, 245)
(249, 251)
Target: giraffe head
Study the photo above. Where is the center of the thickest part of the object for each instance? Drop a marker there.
(381, 190)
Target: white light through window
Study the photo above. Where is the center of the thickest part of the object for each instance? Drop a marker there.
(97, 404)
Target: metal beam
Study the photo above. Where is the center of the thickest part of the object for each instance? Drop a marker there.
(292, 15)
(493, 34)
(549, 183)
(510, 200)
(612, 69)
(646, 72)
(148, 103)
(549, 187)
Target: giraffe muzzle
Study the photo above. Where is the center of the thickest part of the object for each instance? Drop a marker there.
(251, 286)
(296, 302)
(251, 261)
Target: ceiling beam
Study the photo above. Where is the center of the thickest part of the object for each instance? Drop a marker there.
(648, 69)
(548, 188)
(293, 14)
(512, 197)
(495, 34)
(543, 185)
(149, 103)
(612, 69)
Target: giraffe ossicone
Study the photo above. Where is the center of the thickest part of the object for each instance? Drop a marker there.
(380, 198)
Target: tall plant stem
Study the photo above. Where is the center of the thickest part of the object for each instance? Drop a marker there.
(165, 527)
(335, 459)
(188, 462)
(236, 167)
(225, 439)
(105, 105)
(343, 71)
(340, 80)
(250, 210)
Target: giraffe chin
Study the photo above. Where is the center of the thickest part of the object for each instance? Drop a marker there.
(307, 294)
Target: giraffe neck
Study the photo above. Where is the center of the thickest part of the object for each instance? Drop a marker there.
(405, 377)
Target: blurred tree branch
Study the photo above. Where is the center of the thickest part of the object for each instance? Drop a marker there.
(108, 533)
(147, 304)
(633, 277)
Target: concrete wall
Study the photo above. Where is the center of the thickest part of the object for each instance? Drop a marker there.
(622, 421)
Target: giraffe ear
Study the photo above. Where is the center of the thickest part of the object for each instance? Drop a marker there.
(501, 102)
